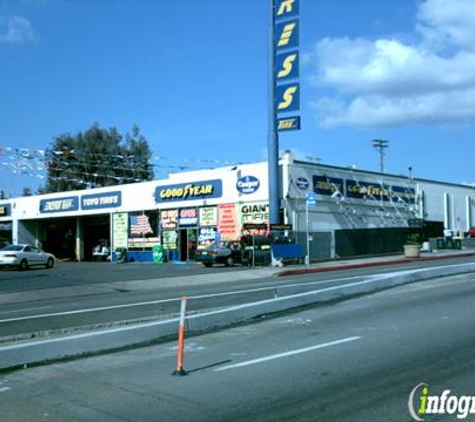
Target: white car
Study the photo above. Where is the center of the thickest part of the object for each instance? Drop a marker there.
(24, 256)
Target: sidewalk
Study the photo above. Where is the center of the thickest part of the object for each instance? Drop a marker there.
(366, 262)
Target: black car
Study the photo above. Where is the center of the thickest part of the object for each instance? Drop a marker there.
(226, 252)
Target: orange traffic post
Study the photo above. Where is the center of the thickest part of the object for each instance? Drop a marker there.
(181, 339)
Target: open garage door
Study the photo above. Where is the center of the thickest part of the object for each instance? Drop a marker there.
(96, 231)
(59, 237)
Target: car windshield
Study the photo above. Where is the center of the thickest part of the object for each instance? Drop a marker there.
(15, 248)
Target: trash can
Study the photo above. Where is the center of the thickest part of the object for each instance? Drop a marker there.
(158, 254)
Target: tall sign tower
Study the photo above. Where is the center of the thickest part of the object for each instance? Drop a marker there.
(284, 88)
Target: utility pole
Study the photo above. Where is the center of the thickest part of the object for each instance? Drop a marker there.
(381, 145)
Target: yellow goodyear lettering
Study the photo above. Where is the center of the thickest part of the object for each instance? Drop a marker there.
(286, 34)
(3, 210)
(188, 191)
(287, 66)
(288, 98)
(285, 7)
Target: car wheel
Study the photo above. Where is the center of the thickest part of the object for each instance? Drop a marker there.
(207, 264)
(23, 265)
(50, 263)
(229, 261)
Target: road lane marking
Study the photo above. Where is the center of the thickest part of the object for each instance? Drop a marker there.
(286, 354)
(3, 389)
(163, 301)
(368, 279)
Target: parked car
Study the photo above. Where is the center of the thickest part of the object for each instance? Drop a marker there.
(25, 256)
(226, 252)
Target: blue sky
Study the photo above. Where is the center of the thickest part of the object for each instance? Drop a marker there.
(192, 74)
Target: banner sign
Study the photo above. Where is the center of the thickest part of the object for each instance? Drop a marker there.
(364, 190)
(286, 9)
(5, 210)
(324, 185)
(70, 203)
(281, 227)
(208, 216)
(169, 219)
(287, 35)
(188, 217)
(401, 194)
(101, 200)
(257, 212)
(206, 236)
(189, 191)
(228, 222)
(288, 123)
(286, 64)
(287, 97)
(254, 226)
(120, 230)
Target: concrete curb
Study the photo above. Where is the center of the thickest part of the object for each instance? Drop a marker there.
(99, 341)
(303, 271)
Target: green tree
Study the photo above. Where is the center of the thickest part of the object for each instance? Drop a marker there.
(97, 157)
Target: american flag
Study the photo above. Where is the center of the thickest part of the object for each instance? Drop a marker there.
(140, 225)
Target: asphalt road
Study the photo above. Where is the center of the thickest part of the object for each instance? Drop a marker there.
(72, 314)
(66, 274)
(356, 361)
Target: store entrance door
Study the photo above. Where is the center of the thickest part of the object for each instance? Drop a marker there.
(187, 244)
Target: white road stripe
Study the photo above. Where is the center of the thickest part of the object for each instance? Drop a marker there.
(162, 301)
(366, 280)
(3, 389)
(283, 355)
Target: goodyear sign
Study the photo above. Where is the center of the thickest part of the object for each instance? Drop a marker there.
(349, 188)
(286, 64)
(189, 191)
(5, 210)
(364, 190)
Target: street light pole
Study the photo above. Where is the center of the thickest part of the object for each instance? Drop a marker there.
(381, 145)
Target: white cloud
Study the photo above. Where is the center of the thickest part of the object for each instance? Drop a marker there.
(388, 82)
(16, 30)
